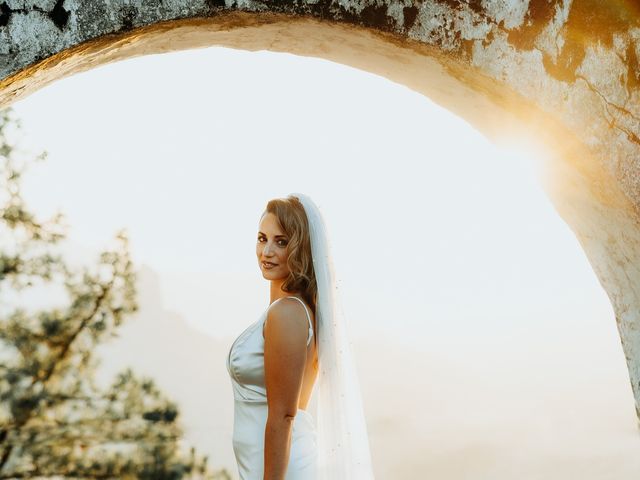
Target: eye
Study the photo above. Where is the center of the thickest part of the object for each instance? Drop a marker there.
(282, 243)
(260, 238)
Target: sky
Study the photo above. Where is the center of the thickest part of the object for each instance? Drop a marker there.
(443, 242)
(428, 220)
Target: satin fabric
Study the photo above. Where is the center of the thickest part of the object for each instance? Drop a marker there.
(245, 364)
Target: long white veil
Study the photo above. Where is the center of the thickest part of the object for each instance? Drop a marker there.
(343, 442)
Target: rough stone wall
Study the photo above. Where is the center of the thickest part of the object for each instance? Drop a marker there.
(575, 60)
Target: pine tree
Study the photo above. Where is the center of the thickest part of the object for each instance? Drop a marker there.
(55, 421)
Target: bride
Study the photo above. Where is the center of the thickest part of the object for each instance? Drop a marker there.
(274, 364)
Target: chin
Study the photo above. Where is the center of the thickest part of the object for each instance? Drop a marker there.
(268, 275)
(272, 276)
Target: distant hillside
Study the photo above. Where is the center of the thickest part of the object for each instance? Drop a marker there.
(186, 364)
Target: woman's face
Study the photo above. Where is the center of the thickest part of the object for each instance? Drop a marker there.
(271, 248)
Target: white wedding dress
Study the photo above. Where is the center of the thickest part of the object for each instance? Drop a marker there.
(245, 364)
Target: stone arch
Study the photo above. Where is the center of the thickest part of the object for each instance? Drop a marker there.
(562, 74)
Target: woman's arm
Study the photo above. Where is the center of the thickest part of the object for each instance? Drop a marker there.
(285, 356)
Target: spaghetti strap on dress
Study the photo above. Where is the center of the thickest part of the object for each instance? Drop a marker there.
(245, 364)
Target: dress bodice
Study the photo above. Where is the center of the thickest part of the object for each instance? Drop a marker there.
(245, 364)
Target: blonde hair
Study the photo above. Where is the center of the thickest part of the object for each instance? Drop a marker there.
(293, 220)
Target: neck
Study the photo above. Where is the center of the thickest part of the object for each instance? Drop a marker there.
(276, 291)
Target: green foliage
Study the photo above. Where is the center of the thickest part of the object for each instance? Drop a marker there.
(54, 420)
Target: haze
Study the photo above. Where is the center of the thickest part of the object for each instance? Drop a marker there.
(485, 345)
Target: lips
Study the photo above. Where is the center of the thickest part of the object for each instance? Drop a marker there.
(269, 264)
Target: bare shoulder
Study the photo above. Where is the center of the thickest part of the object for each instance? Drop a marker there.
(287, 320)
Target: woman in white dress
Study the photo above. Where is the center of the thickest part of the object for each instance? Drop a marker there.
(273, 365)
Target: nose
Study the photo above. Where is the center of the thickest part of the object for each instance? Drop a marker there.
(267, 249)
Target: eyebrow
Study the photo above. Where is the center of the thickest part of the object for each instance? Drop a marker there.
(261, 233)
